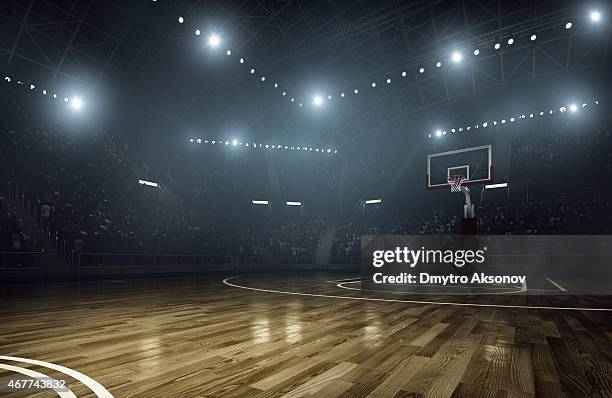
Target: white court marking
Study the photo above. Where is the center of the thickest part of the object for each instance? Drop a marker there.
(93, 385)
(555, 284)
(37, 375)
(521, 289)
(531, 307)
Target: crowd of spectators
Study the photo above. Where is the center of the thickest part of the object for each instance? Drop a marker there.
(85, 187)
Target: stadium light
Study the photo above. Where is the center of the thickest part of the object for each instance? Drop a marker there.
(422, 70)
(260, 202)
(76, 103)
(533, 37)
(294, 203)
(456, 57)
(180, 20)
(197, 32)
(438, 133)
(497, 46)
(573, 108)
(510, 41)
(148, 183)
(373, 201)
(476, 52)
(595, 16)
(438, 64)
(493, 186)
(317, 101)
(234, 142)
(568, 25)
(214, 40)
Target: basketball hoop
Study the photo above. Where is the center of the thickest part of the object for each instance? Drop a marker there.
(456, 182)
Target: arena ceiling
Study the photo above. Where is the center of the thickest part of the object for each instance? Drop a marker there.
(136, 53)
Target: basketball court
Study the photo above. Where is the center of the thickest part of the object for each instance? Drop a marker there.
(307, 334)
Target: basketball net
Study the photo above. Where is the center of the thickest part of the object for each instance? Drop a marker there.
(456, 182)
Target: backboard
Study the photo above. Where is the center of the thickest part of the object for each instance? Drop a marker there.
(474, 164)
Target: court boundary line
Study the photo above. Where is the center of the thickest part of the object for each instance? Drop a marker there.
(531, 307)
(522, 289)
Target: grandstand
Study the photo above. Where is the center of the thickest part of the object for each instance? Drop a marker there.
(236, 199)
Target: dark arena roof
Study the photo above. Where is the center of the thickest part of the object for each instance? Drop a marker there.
(287, 166)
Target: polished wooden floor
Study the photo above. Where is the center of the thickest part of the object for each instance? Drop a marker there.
(201, 338)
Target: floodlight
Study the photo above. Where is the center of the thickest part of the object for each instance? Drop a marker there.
(7, 79)
(32, 87)
(595, 16)
(503, 121)
(373, 84)
(342, 95)
(468, 128)
(284, 93)
(429, 135)
(452, 130)
(495, 123)
(456, 57)
(568, 25)
(180, 20)
(275, 85)
(438, 64)
(584, 105)
(267, 146)
(292, 99)
(260, 202)
(573, 108)
(510, 41)
(263, 78)
(214, 40)
(199, 140)
(76, 103)
(242, 60)
(226, 142)
(494, 186)
(328, 150)
(388, 81)
(531, 115)
(294, 203)
(562, 109)
(438, 133)
(329, 97)
(512, 120)
(228, 52)
(356, 91)
(213, 141)
(44, 92)
(336, 151)
(234, 143)
(191, 140)
(551, 112)
(148, 183)
(476, 52)
(206, 141)
(485, 124)
(421, 70)
(300, 104)
(497, 46)
(403, 74)
(533, 37)
(373, 201)
(197, 32)
(317, 100)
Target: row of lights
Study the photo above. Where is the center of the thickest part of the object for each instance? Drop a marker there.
(76, 103)
(572, 108)
(236, 143)
(318, 100)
